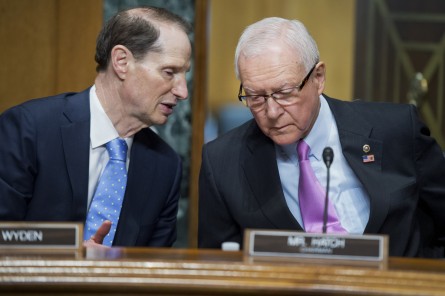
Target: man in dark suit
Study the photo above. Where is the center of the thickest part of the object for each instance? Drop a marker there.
(387, 177)
(53, 149)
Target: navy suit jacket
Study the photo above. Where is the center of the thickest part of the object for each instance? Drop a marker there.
(44, 164)
(240, 185)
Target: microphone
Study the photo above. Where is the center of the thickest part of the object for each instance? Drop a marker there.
(328, 157)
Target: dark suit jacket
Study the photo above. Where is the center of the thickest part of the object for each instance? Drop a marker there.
(240, 187)
(44, 163)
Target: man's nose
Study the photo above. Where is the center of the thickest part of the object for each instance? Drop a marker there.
(180, 89)
(273, 109)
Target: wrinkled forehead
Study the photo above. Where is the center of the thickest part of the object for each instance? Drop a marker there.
(274, 52)
(271, 62)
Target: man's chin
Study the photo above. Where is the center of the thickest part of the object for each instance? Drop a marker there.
(160, 120)
(284, 139)
(282, 136)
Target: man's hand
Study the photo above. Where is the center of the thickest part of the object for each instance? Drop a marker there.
(97, 239)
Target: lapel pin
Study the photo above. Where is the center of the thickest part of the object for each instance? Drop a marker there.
(368, 158)
(366, 148)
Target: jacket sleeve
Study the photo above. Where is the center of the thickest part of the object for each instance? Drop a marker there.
(17, 162)
(430, 167)
(215, 223)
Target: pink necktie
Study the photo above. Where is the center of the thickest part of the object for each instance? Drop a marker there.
(312, 197)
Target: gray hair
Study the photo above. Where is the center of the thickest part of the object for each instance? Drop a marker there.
(257, 37)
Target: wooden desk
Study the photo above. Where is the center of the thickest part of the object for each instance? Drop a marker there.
(133, 271)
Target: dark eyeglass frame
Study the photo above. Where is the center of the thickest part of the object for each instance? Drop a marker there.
(299, 87)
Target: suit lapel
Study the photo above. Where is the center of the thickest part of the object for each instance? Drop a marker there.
(354, 133)
(75, 134)
(261, 172)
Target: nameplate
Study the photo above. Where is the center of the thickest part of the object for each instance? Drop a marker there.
(270, 243)
(41, 236)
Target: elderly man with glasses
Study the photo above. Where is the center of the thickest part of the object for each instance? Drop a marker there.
(387, 176)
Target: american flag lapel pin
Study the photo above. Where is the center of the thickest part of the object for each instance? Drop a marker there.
(367, 157)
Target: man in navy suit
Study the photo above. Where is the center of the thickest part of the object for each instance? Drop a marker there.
(53, 149)
(387, 176)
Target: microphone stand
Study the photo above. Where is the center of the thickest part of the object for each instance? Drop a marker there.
(328, 157)
(325, 212)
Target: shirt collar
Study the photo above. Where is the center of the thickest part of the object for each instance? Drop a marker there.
(102, 130)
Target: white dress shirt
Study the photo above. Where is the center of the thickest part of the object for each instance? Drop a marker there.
(350, 200)
(101, 132)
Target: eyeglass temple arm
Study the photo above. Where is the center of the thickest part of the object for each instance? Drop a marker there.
(240, 92)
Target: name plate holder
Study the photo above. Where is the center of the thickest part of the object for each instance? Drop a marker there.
(273, 244)
(49, 238)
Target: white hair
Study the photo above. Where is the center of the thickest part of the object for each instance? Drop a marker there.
(257, 37)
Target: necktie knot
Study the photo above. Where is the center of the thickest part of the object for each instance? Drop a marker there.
(303, 150)
(117, 149)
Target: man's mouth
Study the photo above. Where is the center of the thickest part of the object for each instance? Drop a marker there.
(167, 107)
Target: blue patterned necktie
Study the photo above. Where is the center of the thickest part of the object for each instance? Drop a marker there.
(107, 200)
(312, 197)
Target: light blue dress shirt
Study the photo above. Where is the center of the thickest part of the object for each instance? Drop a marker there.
(345, 191)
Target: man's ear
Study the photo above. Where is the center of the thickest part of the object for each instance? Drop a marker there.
(121, 58)
(320, 76)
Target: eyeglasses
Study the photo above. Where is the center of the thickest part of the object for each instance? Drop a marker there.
(284, 97)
